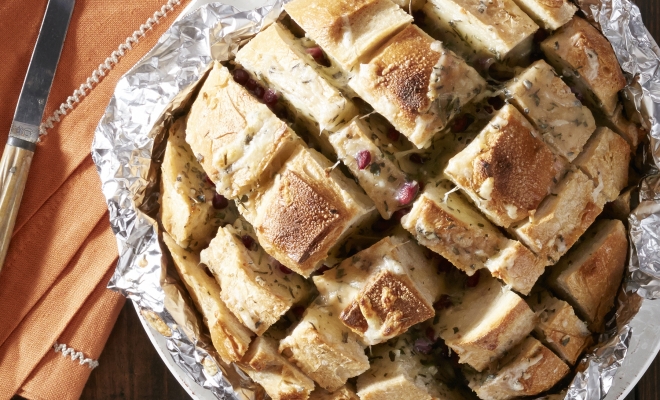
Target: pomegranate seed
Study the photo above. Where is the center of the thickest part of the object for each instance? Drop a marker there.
(282, 268)
(208, 180)
(259, 91)
(407, 193)
(416, 158)
(318, 56)
(298, 311)
(473, 280)
(363, 159)
(578, 94)
(241, 76)
(423, 345)
(248, 242)
(430, 334)
(251, 84)
(461, 123)
(443, 303)
(393, 134)
(496, 102)
(398, 214)
(271, 98)
(219, 201)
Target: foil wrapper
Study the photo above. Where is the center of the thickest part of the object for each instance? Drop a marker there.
(128, 141)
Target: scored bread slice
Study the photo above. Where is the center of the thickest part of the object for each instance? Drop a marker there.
(279, 378)
(375, 170)
(278, 58)
(583, 56)
(562, 217)
(549, 14)
(564, 123)
(255, 286)
(529, 369)
(605, 160)
(589, 276)
(305, 211)
(499, 28)
(348, 29)
(343, 393)
(558, 327)
(238, 140)
(482, 323)
(399, 372)
(382, 291)
(186, 210)
(324, 349)
(417, 84)
(445, 222)
(230, 338)
(507, 170)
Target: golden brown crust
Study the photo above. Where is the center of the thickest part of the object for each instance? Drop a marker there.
(343, 393)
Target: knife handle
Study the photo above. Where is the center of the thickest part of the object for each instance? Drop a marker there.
(14, 169)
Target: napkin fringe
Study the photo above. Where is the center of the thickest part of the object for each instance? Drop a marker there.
(105, 67)
(75, 355)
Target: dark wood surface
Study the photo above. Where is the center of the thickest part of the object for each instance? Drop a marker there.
(131, 369)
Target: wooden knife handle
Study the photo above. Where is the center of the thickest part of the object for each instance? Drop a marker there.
(14, 169)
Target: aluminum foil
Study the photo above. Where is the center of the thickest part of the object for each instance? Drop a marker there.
(128, 139)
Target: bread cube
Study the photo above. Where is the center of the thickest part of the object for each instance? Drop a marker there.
(606, 159)
(305, 211)
(238, 140)
(498, 28)
(449, 225)
(324, 349)
(549, 14)
(629, 130)
(276, 57)
(348, 29)
(528, 370)
(417, 84)
(343, 393)
(562, 218)
(583, 56)
(589, 276)
(507, 170)
(558, 327)
(374, 169)
(187, 211)
(382, 291)
(441, 29)
(484, 322)
(398, 372)
(564, 123)
(255, 286)
(279, 378)
(230, 338)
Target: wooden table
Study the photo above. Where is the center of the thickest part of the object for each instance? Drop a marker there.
(130, 368)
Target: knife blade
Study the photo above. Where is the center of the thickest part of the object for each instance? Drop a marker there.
(24, 131)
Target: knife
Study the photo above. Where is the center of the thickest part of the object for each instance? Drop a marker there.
(24, 131)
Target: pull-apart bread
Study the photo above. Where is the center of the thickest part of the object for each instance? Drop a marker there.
(276, 57)
(482, 323)
(279, 378)
(528, 370)
(507, 170)
(558, 327)
(564, 123)
(589, 276)
(238, 140)
(254, 286)
(348, 29)
(305, 211)
(187, 210)
(417, 84)
(498, 28)
(445, 222)
(324, 349)
(583, 55)
(230, 338)
(382, 291)
(375, 169)
(411, 253)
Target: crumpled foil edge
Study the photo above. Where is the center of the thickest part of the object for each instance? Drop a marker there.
(142, 106)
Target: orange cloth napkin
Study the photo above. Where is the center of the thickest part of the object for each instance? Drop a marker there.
(52, 287)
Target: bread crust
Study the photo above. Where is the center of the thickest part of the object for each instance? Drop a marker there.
(549, 14)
